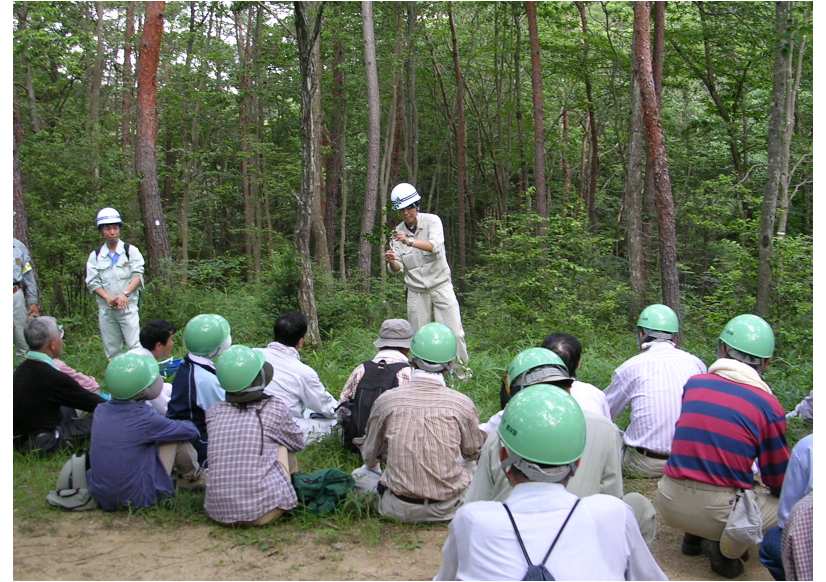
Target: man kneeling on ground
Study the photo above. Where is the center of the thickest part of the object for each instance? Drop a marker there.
(421, 430)
(134, 449)
(594, 538)
(252, 438)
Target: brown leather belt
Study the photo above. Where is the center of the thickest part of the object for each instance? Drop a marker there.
(415, 500)
(652, 454)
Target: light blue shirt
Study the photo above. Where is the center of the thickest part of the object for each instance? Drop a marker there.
(207, 386)
(114, 255)
(798, 480)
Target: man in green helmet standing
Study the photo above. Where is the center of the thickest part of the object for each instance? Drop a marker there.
(542, 436)
(729, 419)
(421, 430)
(652, 383)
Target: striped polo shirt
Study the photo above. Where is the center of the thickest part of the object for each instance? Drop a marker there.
(723, 426)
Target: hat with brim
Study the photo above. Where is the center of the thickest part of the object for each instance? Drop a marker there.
(394, 333)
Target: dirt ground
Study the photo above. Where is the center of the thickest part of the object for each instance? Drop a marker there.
(95, 546)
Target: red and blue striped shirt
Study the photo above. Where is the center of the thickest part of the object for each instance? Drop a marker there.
(723, 426)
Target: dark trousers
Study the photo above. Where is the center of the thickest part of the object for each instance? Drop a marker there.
(69, 432)
(770, 553)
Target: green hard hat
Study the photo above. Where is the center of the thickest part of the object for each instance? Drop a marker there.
(531, 358)
(434, 343)
(543, 424)
(659, 317)
(237, 367)
(204, 333)
(749, 334)
(128, 374)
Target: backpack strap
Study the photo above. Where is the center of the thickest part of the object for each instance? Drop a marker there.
(559, 533)
(519, 537)
(126, 247)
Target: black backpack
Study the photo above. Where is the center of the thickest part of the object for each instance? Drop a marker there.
(379, 377)
(538, 571)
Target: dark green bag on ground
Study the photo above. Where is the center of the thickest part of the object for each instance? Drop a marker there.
(320, 491)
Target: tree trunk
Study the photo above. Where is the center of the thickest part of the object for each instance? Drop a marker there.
(22, 22)
(157, 240)
(538, 114)
(335, 158)
(791, 98)
(563, 160)
(373, 120)
(776, 172)
(342, 255)
(411, 121)
(95, 81)
(128, 83)
(461, 146)
(517, 89)
(649, 226)
(593, 165)
(322, 252)
(633, 201)
(657, 152)
(21, 217)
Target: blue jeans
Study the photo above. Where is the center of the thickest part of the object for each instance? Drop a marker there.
(770, 553)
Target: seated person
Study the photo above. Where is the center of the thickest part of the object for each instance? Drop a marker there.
(196, 387)
(588, 396)
(156, 341)
(44, 398)
(388, 368)
(600, 465)
(252, 438)
(796, 485)
(798, 543)
(296, 383)
(593, 538)
(86, 382)
(134, 449)
(421, 430)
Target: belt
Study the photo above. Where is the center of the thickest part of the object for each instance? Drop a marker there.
(652, 454)
(414, 500)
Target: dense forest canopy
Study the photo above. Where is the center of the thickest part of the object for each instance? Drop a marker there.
(240, 94)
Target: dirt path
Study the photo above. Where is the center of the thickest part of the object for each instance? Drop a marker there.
(121, 547)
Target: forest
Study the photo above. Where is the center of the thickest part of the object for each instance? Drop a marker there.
(586, 159)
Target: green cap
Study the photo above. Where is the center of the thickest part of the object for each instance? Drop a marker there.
(237, 367)
(749, 334)
(205, 333)
(543, 424)
(531, 358)
(659, 317)
(434, 343)
(128, 374)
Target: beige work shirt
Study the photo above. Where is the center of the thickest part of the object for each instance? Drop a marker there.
(423, 270)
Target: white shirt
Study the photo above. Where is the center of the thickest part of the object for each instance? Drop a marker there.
(114, 278)
(602, 540)
(590, 398)
(652, 382)
(296, 383)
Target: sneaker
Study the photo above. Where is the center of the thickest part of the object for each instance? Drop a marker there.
(725, 567)
(692, 545)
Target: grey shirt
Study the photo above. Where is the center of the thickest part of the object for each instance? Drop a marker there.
(24, 272)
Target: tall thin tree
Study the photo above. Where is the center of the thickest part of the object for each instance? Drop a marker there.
(368, 215)
(538, 114)
(461, 146)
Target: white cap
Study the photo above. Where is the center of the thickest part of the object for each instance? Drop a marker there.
(108, 216)
(404, 195)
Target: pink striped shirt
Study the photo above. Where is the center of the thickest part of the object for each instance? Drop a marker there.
(652, 383)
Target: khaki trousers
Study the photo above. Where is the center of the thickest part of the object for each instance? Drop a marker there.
(635, 464)
(20, 316)
(181, 456)
(119, 329)
(702, 510)
(645, 513)
(438, 304)
(393, 507)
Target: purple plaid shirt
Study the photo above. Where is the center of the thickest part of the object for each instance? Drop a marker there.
(245, 479)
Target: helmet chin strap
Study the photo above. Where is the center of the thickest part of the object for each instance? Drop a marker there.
(536, 473)
(430, 367)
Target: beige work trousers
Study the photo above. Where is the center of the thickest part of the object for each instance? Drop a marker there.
(393, 507)
(20, 316)
(119, 329)
(645, 513)
(635, 464)
(438, 304)
(181, 456)
(702, 510)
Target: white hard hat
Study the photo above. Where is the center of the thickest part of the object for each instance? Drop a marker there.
(404, 195)
(108, 216)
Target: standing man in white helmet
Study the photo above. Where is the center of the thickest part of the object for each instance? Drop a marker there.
(418, 249)
(114, 273)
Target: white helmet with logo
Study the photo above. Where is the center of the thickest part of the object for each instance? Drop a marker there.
(108, 216)
(404, 195)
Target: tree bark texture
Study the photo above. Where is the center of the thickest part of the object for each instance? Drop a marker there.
(657, 151)
(461, 146)
(538, 114)
(411, 114)
(157, 239)
(21, 217)
(517, 90)
(593, 165)
(95, 81)
(563, 159)
(791, 99)
(657, 59)
(335, 158)
(368, 216)
(322, 252)
(776, 172)
(128, 82)
(307, 27)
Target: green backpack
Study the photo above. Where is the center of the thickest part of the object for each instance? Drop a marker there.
(320, 491)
